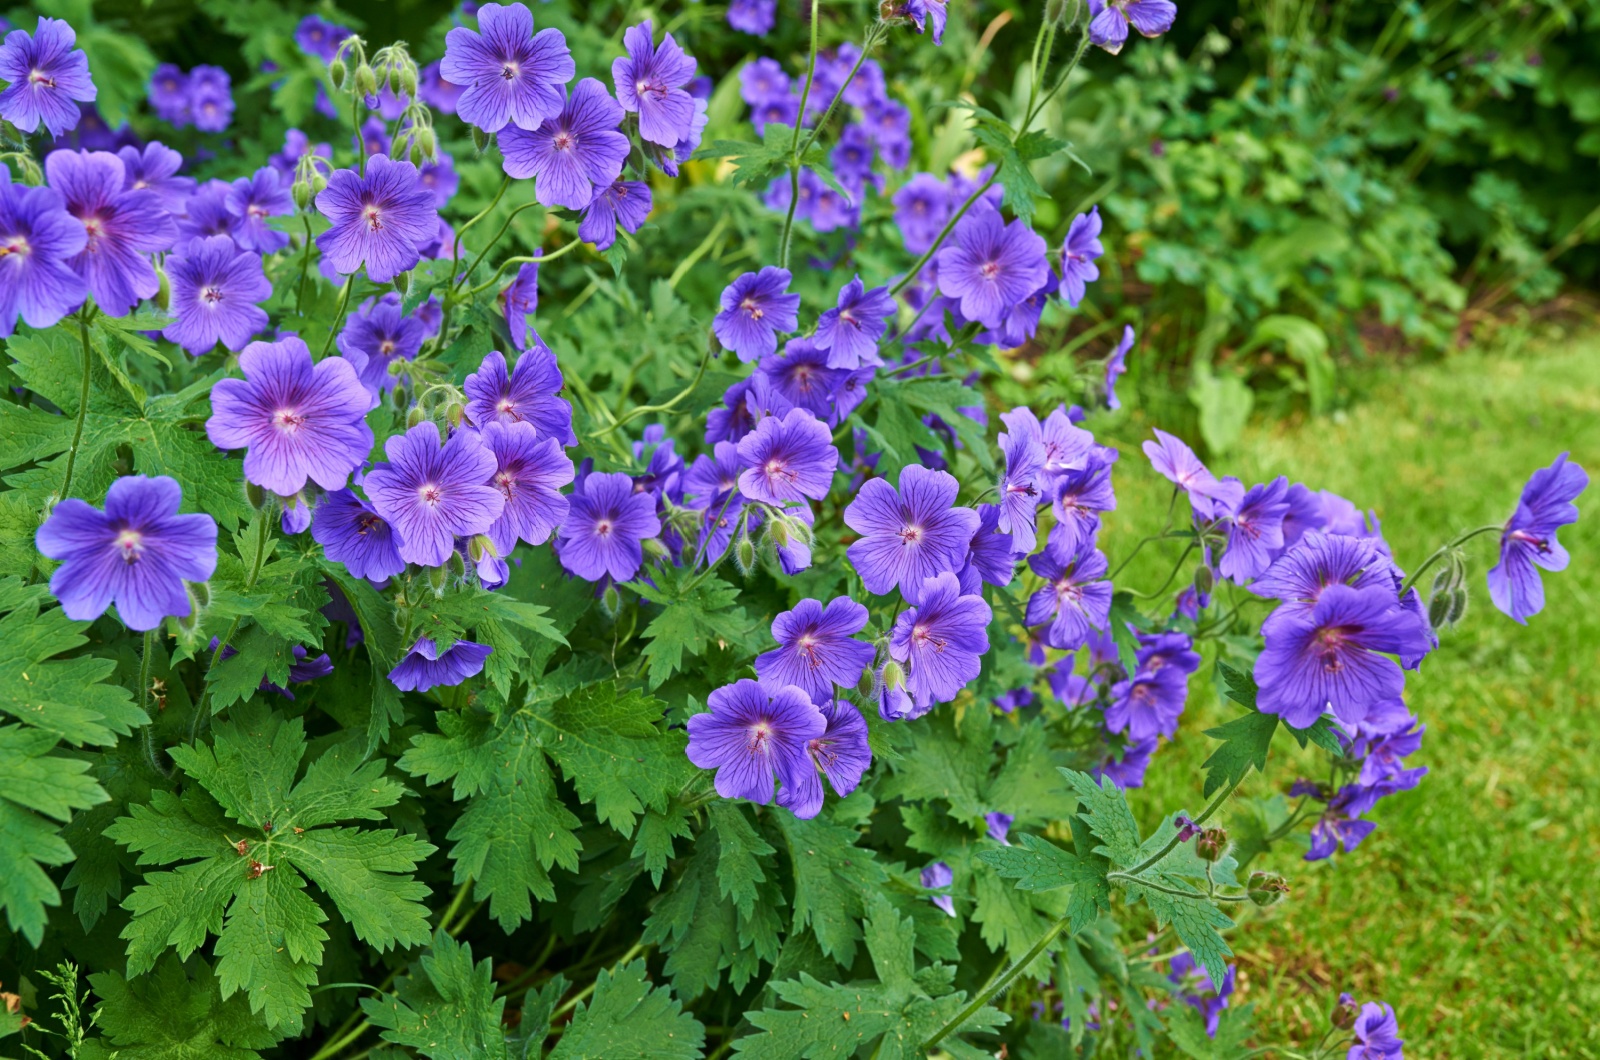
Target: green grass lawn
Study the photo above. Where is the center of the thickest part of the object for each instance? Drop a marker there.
(1475, 907)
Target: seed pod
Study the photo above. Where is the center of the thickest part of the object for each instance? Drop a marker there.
(1211, 845)
(337, 72)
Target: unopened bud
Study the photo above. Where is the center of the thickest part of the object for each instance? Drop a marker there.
(402, 282)
(1187, 829)
(1439, 609)
(866, 682)
(399, 398)
(163, 288)
(780, 533)
(611, 601)
(1204, 580)
(454, 412)
(337, 72)
(302, 194)
(200, 593)
(318, 182)
(415, 416)
(408, 80)
(744, 554)
(414, 153)
(190, 622)
(438, 577)
(1267, 888)
(1211, 844)
(457, 565)
(1054, 11)
(1344, 1014)
(1458, 606)
(893, 675)
(480, 139)
(428, 143)
(366, 81)
(476, 546)
(255, 495)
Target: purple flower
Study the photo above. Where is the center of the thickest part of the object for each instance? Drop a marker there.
(384, 219)
(1529, 540)
(605, 527)
(437, 92)
(1080, 497)
(253, 200)
(210, 98)
(1176, 462)
(925, 13)
(937, 877)
(817, 649)
(762, 80)
(215, 288)
(47, 74)
(890, 124)
(205, 213)
(520, 299)
(377, 335)
(1128, 769)
(651, 80)
(753, 738)
(850, 331)
(1319, 560)
(624, 201)
(802, 377)
(1194, 986)
(425, 666)
(155, 169)
(1078, 253)
(1109, 20)
(352, 533)
(909, 536)
(755, 309)
(788, 459)
(1073, 598)
(169, 94)
(1327, 657)
(940, 641)
(1148, 705)
(297, 420)
(1255, 531)
(998, 826)
(1117, 364)
(532, 469)
(668, 159)
(571, 152)
(530, 392)
(783, 110)
(508, 73)
(840, 754)
(1376, 1033)
(136, 554)
(921, 208)
(38, 238)
(991, 557)
(123, 227)
(755, 17)
(433, 494)
(1021, 485)
(710, 479)
(992, 265)
(319, 38)
(852, 156)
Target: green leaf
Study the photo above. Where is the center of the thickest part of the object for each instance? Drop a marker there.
(177, 1012)
(1037, 864)
(1106, 812)
(1235, 1026)
(833, 878)
(447, 1012)
(695, 614)
(1245, 741)
(1196, 921)
(1240, 687)
(628, 1019)
(740, 854)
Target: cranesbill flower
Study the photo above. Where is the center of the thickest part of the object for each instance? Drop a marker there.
(756, 308)
(782, 110)
(532, 469)
(763, 79)
(1109, 20)
(1127, 768)
(754, 738)
(425, 666)
(434, 493)
(605, 526)
(668, 159)
(937, 877)
(991, 265)
(169, 94)
(1376, 1033)
(1529, 539)
(123, 227)
(1022, 478)
(921, 208)
(1327, 657)
(991, 557)
(378, 334)
(155, 168)
(925, 14)
(788, 459)
(1078, 254)
(319, 38)
(38, 237)
(530, 392)
(210, 98)
(572, 152)
(1147, 705)
(940, 641)
(520, 300)
(350, 532)
(1319, 560)
(252, 201)
(817, 649)
(755, 17)
(437, 91)
(997, 824)
(299, 421)
(47, 74)
(650, 81)
(624, 201)
(205, 213)
(909, 536)
(1116, 365)
(1196, 988)
(852, 156)
(383, 219)
(851, 330)
(1176, 462)
(890, 124)
(663, 467)
(508, 73)
(710, 479)
(1074, 597)
(215, 288)
(1255, 530)
(136, 554)
(802, 377)
(840, 754)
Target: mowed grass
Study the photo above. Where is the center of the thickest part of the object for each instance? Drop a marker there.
(1475, 907)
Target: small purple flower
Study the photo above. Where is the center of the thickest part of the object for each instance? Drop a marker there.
(1176, 462)
(851, 330)
(1376, 1033)
(384, 219)
(991, 557)
(937, 877)
(532, 469)
(377, 335)
(1078, 253)
(1109, 20)
(925, 14)
(1255, 531)
(940, 641)
(1186, 828)
(438, 92)
(520, 300)
(215, 288)
(755, 17)
(1319, 560)
(299, 421)
(1148, 705)
(155, 168)
(852, 156)
(840, 754)
(788, 459)
(530, 392)
(921, 208)
(605, 528)
(47, 74)
(668, 159)
(136, 554)
(352, 533)
(753, 738)
(762, 80)
(817, 649)
(123, 227)
(756, 308)
(320, 38)
(998, 826)
(425, 666)
(508, 73)
(627, 202)
(253, 200)
(205, 213)
(909, 536)
(1194, 986)
(169, 94)
(1116, 365)
(890, 124)
(1021, 488)
(992, 265)
(210, 98)
(650, 82)
(572, 152)
(1074, 597)
(1128, 768)
(1529, 540)
(802, 377)
(434, 493)
(783, 110)
(38, 238)
(1080, 496)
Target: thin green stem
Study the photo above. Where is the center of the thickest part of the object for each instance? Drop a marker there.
(873, 36)
(1128, 877)
(83, 400)
(698, 252)
(665, 406)
(338, 319)
(361, 143)
(1205, 815)
(305, 266)
(490, 245)
(944, 233)
(794, 147)
(1176, 567)
(335, 1047)
(1444, 550)
(144, 668)
(455, 904)
(522, 259)
(993, 988)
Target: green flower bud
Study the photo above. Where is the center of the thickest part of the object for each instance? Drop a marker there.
(366, 81)
(1458, 606)
(477, 545)
(337, 72)
(744, 554)
(481, 139)
(780, 533)
(438, 577)
(1344, 1014)
(1267, 888)
(428, 143)
(457, 565)
(255, 495)
(611, 601)
(1204, 580)
(894, 675)
(200, 594)
(318, 182)
(408, 79)
(415, 416)
(866, 682)
(1054, 10)
(1211, 844)
(163, 288)
(454, 412)
(1439, 609)
(399, 398)
(302, 194)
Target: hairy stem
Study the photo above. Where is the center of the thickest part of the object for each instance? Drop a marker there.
(1443, 551)
(338, 319)
(944, 233)
(305, 266)
(794, 147)
(996, 987)
(83, 401)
